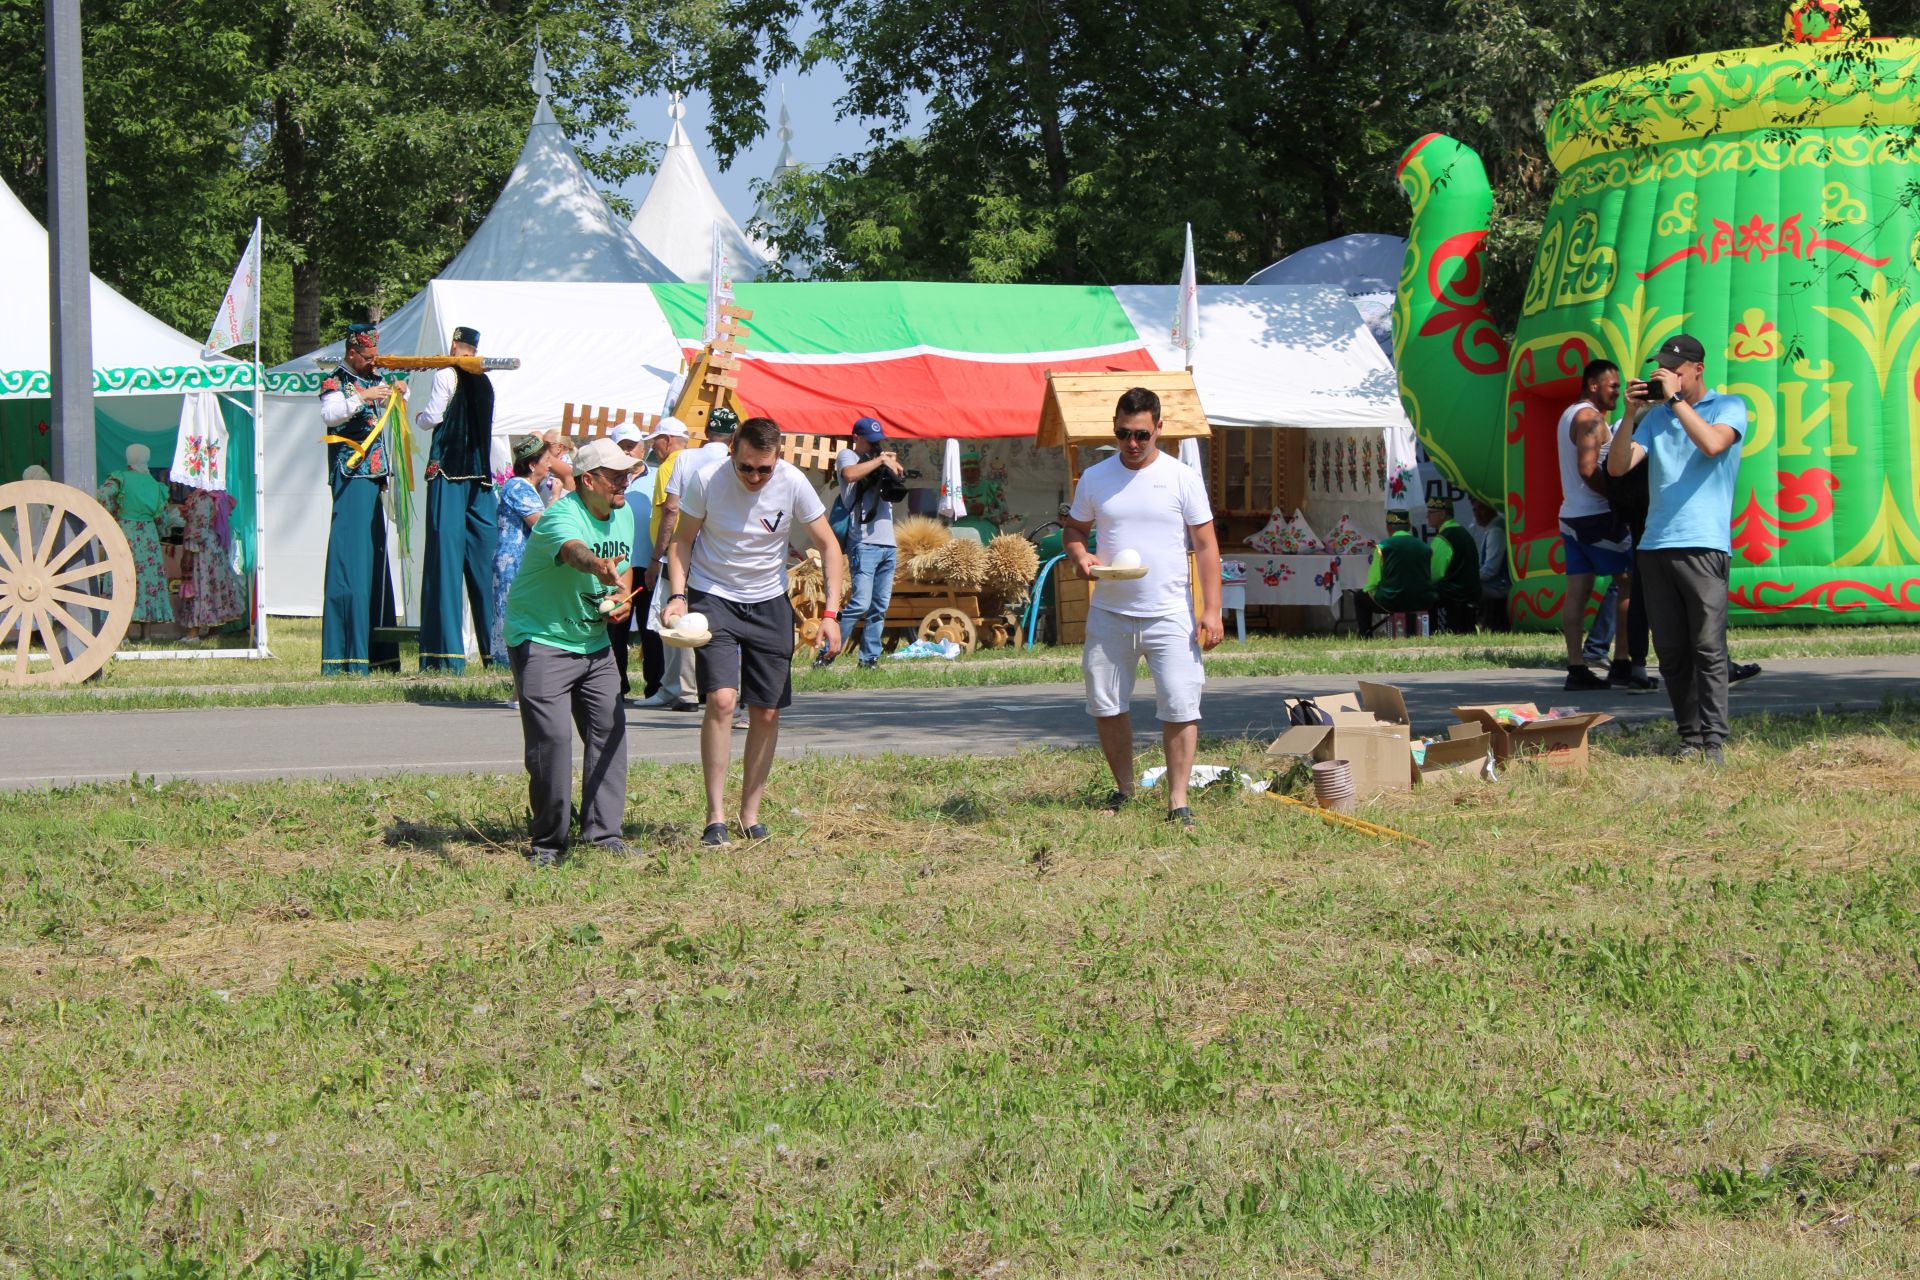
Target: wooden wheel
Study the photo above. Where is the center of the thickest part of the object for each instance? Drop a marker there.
(66, 584)
(950, 624)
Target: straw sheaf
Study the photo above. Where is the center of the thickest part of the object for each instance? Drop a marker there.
(962, 564)
(1012, 563)
(916, 536)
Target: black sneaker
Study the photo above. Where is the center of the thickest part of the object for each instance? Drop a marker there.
(868, 664)
(1620, 676)
(1692, 754)
(543, 858)
(1115, 801)
(615, 845)
(822, 662)
(1738, 671)
(1582, 678)
(1713, 756)
(715, 836)
(1183, 815)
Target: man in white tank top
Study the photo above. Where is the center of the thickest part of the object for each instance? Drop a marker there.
(1595, 540)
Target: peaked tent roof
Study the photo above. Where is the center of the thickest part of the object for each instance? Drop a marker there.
(550, 224)
(133, 353)
(681, 209)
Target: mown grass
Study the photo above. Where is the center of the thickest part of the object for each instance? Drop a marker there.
(290, 677)
(1647, 1021)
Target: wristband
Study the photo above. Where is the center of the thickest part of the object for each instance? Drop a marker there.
(678, 595)
(830, 615)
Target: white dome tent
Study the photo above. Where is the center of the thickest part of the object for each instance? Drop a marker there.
(144, 370)
(681, 212)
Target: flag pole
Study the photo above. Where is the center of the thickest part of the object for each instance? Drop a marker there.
(259, 457)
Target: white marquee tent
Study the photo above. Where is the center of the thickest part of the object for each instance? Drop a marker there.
(676, 220)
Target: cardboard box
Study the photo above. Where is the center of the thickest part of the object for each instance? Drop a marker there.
(1560, 743)
(1370, 731)
(1466, 752)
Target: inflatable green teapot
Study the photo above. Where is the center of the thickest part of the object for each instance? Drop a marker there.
(1766, 201)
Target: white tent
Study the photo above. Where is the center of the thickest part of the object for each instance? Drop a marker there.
(143, 371)
(677, 218)
(549, 225)
(1366, 265)
(1274, 355)
(133, 353)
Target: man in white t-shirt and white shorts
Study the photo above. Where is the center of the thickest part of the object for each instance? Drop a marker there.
(1146, 501)
(729, 562)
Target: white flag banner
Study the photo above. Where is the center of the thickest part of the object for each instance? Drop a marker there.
(1190, 454)
(1186, 321)
(235, 323)
(952, 505)
(719, 284)
(200, 448)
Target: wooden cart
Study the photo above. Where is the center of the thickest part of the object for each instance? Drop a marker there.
(930, 611)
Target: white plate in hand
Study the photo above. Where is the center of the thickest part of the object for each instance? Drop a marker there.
(1118, 574)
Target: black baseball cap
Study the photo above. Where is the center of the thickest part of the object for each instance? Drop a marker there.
(1681, 348)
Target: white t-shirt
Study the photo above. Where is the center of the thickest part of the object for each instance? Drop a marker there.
(694, 464)
(741, 553)
(1577, 498)
(1148, 511)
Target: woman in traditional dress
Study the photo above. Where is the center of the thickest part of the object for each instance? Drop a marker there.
(139, 503)
(520, 506)
(211, 595)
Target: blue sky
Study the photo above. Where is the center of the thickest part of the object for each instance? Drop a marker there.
(817, 136)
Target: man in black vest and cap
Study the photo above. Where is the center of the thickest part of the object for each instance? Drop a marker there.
(461, 509)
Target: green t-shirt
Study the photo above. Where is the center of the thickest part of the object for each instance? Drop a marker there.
(556, 604)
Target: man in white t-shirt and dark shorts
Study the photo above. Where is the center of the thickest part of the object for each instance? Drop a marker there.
(1594, 539)
(1146, 501)
(729, 562)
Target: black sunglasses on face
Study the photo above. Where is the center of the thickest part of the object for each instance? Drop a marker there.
(1137, 437)
(747, 469)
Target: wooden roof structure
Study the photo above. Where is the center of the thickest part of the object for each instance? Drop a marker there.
(1078, 409)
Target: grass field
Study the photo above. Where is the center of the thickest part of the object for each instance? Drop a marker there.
(1647, 1021)
(291, 676)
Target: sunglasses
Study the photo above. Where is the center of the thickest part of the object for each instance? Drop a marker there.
(1134, 437)
(748, 469)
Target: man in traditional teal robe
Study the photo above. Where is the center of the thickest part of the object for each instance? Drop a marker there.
(359, 587)
(461, 513)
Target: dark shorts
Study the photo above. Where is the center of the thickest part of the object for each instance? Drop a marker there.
(1597, 544)
(751, 649)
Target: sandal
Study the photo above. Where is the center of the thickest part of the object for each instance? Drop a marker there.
(1115, 801)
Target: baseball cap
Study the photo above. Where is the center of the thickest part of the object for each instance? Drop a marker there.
(602, 455)
(625, 434)
(870, 430)
(669, 426)
(1681, 348)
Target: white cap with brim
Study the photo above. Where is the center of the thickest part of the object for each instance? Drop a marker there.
(602, 455)
(670, 427)
(625, 434)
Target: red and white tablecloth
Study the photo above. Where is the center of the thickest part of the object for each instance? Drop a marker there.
(1305, 579)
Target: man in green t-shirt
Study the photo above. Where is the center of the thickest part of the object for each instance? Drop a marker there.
(577, 558)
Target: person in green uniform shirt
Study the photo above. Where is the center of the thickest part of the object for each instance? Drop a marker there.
(359, 589)
(1454, 569)
(461, 512)
(1401, 578)
(578, 557)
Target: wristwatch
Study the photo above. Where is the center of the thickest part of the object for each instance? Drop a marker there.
(1673, 400)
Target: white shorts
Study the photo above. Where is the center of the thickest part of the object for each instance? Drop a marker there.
(1111, 660)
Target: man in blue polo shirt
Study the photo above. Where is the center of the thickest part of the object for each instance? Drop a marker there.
(1690, 437)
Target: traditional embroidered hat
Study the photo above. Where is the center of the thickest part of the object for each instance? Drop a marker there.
(528, 447)
(469, 336)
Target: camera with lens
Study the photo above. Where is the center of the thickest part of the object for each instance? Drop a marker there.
(891, 487)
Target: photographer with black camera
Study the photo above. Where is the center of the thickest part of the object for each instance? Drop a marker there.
(1690, 438)
(872, 479)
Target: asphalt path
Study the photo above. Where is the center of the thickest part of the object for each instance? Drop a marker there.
(249, 743)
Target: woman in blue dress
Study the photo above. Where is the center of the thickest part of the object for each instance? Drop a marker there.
(520, 506)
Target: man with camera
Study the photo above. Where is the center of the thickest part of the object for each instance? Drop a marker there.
(1690, 438)
(870, 483)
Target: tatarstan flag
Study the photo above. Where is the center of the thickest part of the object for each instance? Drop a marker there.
(928, 360)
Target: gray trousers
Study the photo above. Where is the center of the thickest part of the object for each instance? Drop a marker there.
(1686, 594)
(677, 673)
(554, 685)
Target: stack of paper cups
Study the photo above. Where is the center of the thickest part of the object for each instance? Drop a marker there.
(1333, 785)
